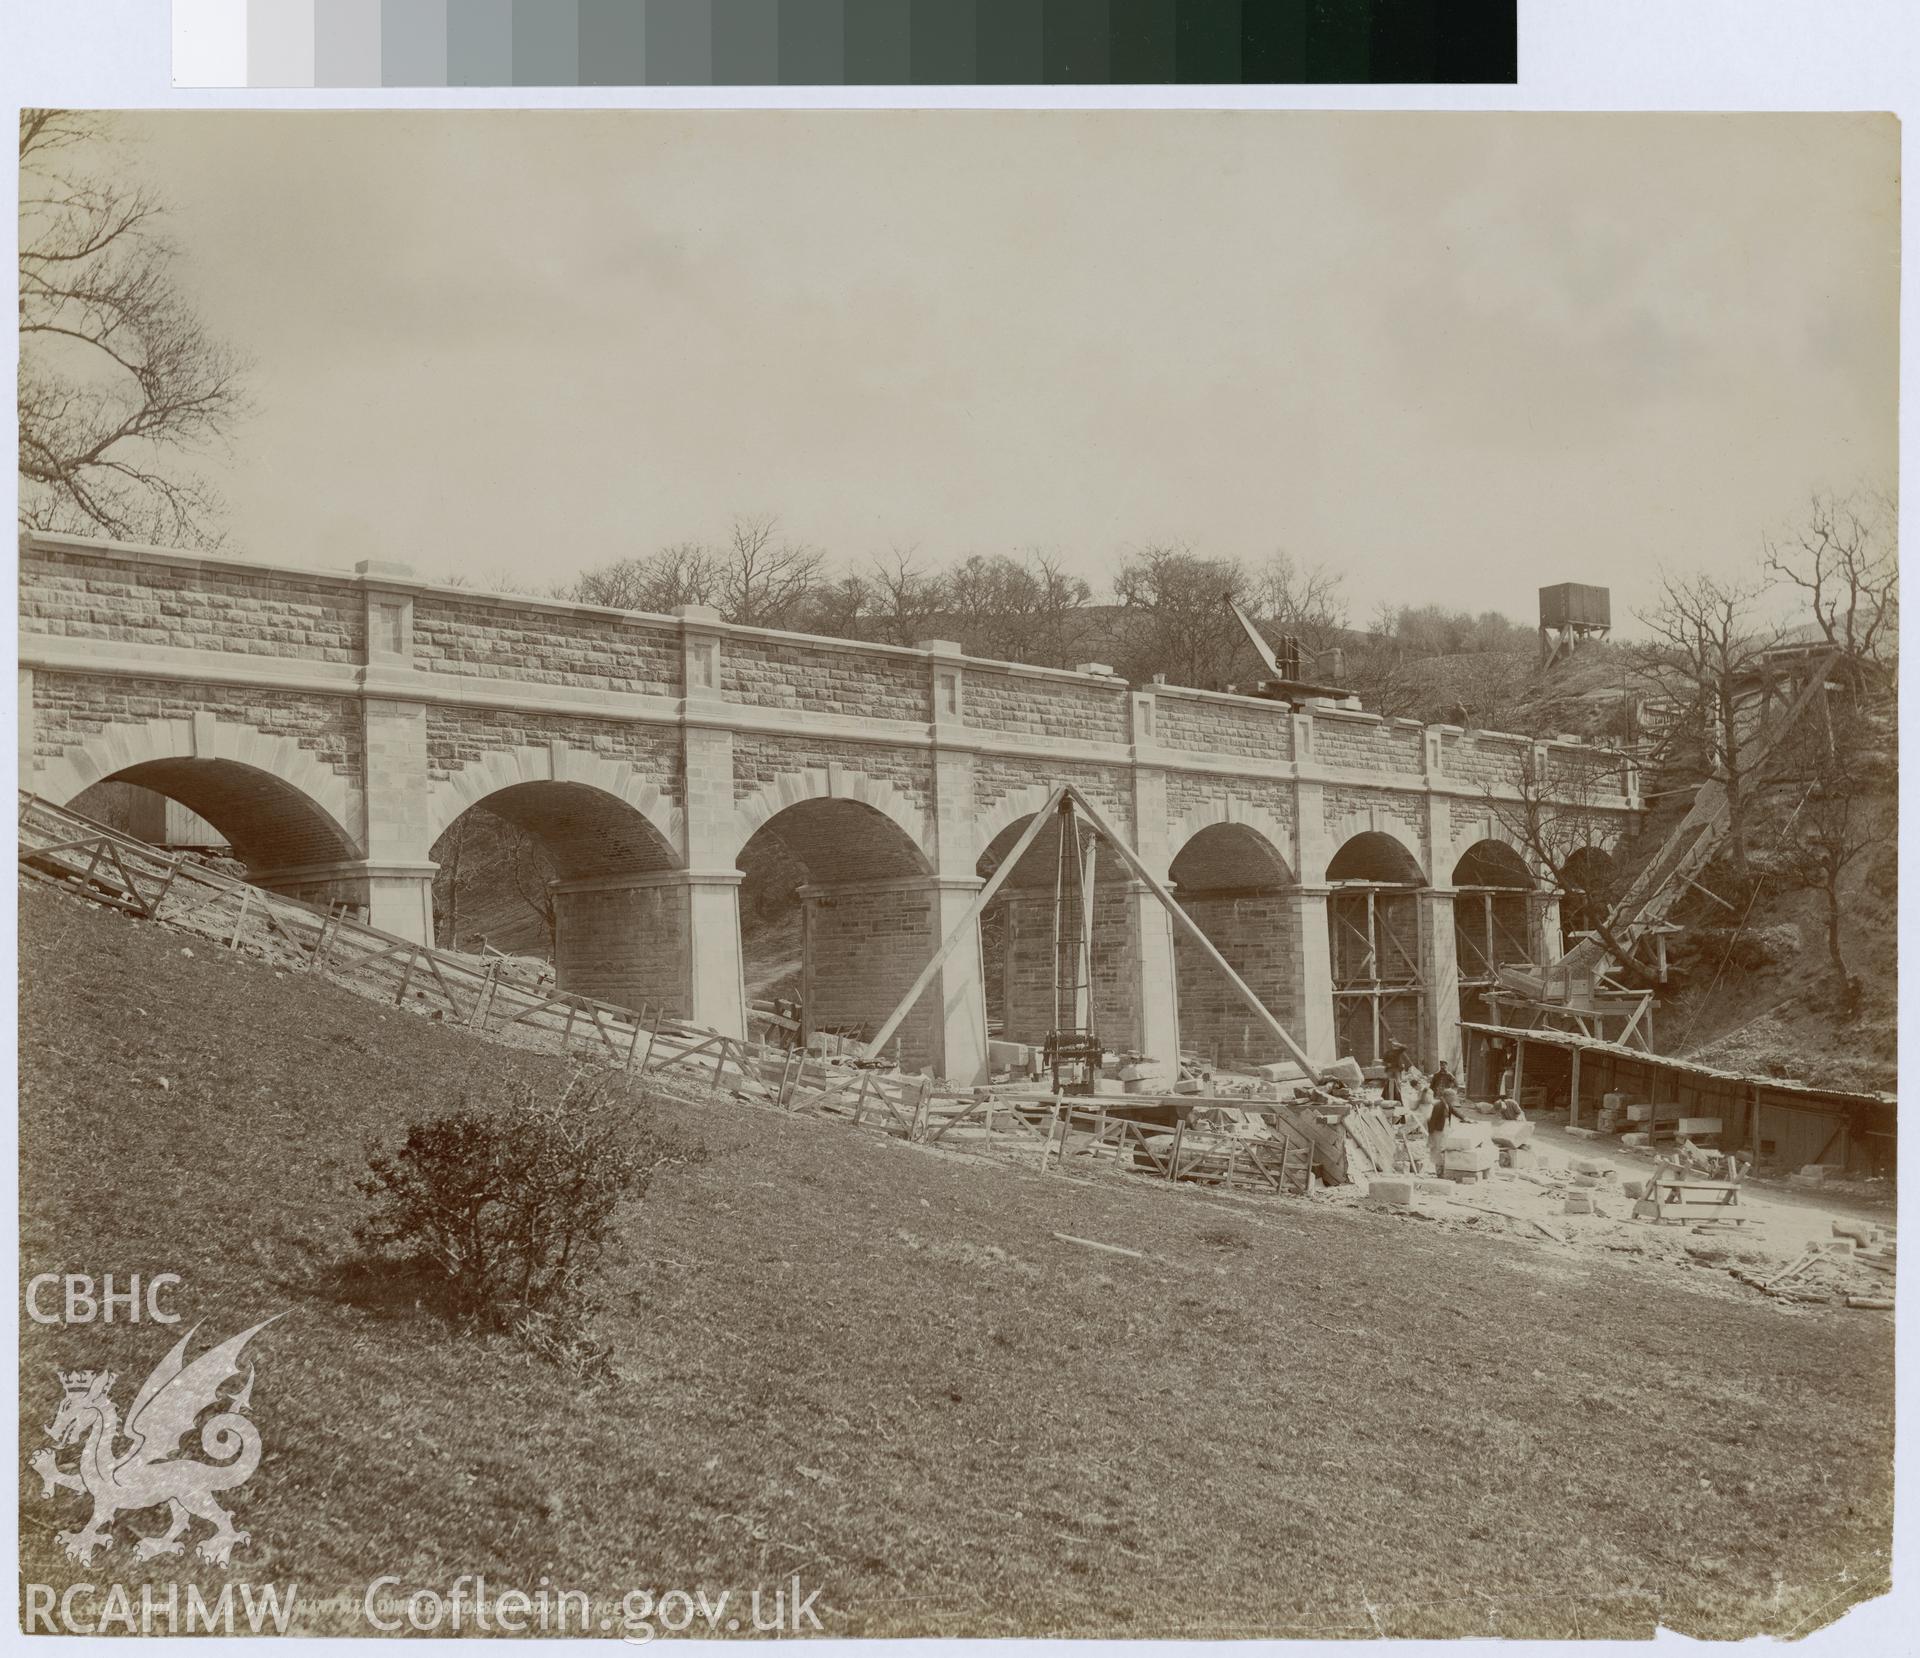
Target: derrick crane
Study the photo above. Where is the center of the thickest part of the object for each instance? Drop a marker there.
(1286, 682)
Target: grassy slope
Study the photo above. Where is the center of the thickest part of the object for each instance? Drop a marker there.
(874, 1367)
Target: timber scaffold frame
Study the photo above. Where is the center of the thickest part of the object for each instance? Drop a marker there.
(1050, 1134)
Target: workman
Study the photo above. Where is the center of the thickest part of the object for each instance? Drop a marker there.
(1397, 1059)
(1443, 1112)
(1500, 1063)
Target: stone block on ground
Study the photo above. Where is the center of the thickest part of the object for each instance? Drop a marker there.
(1391, 1191)
(1467, 1159)
(1347, 1070)
(1281, 1071)
(1578, 1203)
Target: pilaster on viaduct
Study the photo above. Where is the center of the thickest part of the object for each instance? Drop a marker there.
(333, 725)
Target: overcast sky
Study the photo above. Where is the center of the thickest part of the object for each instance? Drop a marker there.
(1455, 357)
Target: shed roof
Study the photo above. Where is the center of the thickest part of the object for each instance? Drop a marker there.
(1784, 1085)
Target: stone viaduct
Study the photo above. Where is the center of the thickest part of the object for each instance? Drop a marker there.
(333, 725)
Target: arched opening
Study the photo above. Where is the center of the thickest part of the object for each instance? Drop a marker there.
(1019, 932)
(568, 881)
(1492, 924)
(1373, 927)
(1586, 891)
(1235, 884)
(220, 807)
(147, 815)
(838, 915)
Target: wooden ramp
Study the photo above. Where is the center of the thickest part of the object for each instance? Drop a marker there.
(1267, 1148)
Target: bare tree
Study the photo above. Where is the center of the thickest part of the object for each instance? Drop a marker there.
(118, 376)
(501, 579)
(1174, 619)
(680, 574)
(1056, 612)
(839, 607)
(905, 595)
(1706, 657)
(1546, 802)
(1380, 673)
(1303, 600)
(1846, 559)
(450, 853)
(766, 582)
(1487, 691)
(1024, 609)
(1845, 815)
(532, 879)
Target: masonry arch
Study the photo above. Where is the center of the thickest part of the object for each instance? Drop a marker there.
(277, 805)
(1373, 928)
(1586, 889)
(839, 912)
(267, 823)
(570, 873)
(495, 775)
(1492, 920)
(1019, 930)
(838, 787)
(1236, 884)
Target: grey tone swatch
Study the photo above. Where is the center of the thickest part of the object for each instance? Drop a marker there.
(813, 42)
(346, 43)
(479, 42)
(878, 49)
(279, 43)
(1010, 42)
(413, 43)
(746, 43)
(613, 43)
(945, 43)
(679, 42)
(546, 42)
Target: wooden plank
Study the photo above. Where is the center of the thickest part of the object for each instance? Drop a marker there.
(1194, 933)
(406, 978)
(240, 920)
(1110, 1249)
(971, 919)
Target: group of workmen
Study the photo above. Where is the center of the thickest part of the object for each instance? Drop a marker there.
(1410, 1091)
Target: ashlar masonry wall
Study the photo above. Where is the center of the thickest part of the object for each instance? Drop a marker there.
(1258, 933)
(862, 948)
(336, 722)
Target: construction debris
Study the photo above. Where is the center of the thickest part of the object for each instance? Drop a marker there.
(1331, 1134)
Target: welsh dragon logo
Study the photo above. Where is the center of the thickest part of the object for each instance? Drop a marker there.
(150, 1472)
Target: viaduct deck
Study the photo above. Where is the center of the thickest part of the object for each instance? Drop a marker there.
(333, 725)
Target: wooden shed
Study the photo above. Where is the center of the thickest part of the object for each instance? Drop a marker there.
(1786, 1123)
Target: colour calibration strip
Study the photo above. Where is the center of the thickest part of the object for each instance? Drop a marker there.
(505, 43)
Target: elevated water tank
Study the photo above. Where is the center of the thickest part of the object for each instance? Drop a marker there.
(1572, 604)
